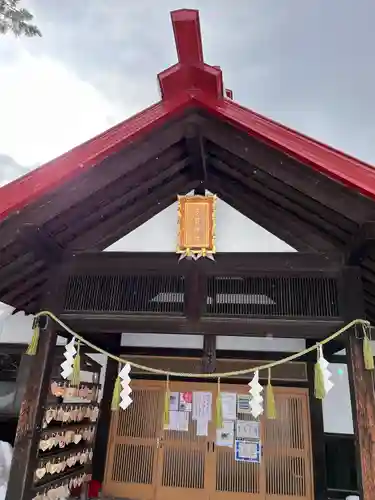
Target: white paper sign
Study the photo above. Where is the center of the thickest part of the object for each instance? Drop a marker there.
(202, 427)
(246, 451)
(225, 435)
(228, 403)
(247, 430)
(174, 399)
(243, 403)
(202, 405)
(178, 421)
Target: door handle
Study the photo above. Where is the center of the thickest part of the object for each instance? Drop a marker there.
(212, 447)
(159, 443)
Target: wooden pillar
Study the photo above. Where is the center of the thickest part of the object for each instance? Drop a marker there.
(24, 462)
(195, 293)
(317, 439)
(104, 422)
(30, 418)
(209, 354)
(361, 383)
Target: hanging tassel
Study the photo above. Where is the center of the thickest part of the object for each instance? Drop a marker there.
(367, 351)
(167, 399)
(219, 407)
(270, 399)
(76, 367)
(33, 346)
(116, 395)
(319, 379)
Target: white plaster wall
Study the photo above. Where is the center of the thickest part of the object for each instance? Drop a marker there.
(259, 344)
(162, 340)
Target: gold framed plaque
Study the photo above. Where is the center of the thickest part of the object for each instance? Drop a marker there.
(196, 225)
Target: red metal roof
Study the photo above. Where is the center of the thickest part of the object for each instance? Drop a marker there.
(190, 82)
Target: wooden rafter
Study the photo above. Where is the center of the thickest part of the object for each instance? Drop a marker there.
(291, 172)
(283, 225)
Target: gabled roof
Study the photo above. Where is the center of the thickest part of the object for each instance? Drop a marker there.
(310, 195)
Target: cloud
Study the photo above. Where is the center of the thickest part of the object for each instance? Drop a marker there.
(47, 109)
(306, 64)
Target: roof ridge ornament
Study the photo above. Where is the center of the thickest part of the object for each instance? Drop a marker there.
(191, 75)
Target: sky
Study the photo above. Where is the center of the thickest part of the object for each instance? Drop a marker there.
(307, 64)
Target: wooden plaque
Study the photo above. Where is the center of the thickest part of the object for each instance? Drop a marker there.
(196, 225)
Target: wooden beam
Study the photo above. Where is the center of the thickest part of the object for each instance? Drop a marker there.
(17, 271)
(121, 223)
(19, 291)
(41, 244)
(121, 197)
(327, 217)
(361, 384)
(102, 432)
(157, 323)
(209, 354)
(231, 263)
(196, 152)
(345, 201)
(360, 244)
(195, 293)
(77, 190)
(308, 218)
(285, 226)
(24, 461)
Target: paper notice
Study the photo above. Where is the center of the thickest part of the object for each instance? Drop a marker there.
(178, 421)
(228, 403)
(186, 400)
(243, 403)
(202, 427)
(246, 451)
(247, 430)
(174, 398)
(225, 435)
(183, 420)
(202, 405)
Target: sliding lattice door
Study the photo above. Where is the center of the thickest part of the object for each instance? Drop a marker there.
(131, 469)
(287, 448)
(146, 462)
(183, 469)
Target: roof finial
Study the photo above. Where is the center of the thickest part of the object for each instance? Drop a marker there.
(190, 75)
(187, 35)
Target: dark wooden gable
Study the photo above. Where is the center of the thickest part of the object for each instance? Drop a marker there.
(312, 197)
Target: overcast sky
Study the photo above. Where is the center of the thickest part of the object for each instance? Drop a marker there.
(308, 64)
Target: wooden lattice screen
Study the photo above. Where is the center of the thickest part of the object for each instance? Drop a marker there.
(145, 462)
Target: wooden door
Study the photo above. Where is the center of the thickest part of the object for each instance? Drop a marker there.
(131, 468)
(232, 480)
(145, 462)
(285, 469)
(183, 467)
(287, 448)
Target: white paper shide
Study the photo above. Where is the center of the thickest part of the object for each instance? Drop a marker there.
(125, 399)
(69, 355)
(256, 400)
